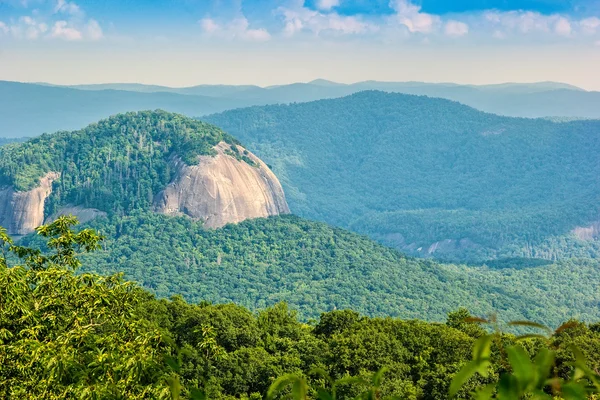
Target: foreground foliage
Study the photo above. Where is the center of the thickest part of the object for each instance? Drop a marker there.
(70, 335)
(64, 335)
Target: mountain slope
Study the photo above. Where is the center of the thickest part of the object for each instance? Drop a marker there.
(429, 176)
(143, 160)
(317, 268)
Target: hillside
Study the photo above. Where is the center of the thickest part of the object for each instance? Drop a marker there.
(147, 160)
(430, 176)
(32, 109)
(316, 268)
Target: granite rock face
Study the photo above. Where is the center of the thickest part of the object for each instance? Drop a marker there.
(22, 212)
(229, 187)
(223, 189)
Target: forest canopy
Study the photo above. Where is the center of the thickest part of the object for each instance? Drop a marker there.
(317, 268)
(430, 176)
(65, 334)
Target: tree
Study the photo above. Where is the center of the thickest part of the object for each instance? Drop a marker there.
(67, 335)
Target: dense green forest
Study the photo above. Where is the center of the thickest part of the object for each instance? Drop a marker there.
(88, 336)
(116, 165)
(413, 171)
(317, 268)
(119, 164)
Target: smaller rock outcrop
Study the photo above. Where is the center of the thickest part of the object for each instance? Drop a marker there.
(223, 189)
(587, 232)
(83, 214)
(22, 212)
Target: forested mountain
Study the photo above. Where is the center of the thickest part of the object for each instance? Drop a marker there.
(432, 176)
(114, 171)
(145, 160)
(316, 268)
(31, 109)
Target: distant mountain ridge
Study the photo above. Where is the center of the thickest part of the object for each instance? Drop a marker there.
(31, 109)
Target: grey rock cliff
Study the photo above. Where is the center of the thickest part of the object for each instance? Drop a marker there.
(22, 212)
(222, 189)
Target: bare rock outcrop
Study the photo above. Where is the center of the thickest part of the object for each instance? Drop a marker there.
(223, 189)
(83, 214)
(22, 212)
(588, 232)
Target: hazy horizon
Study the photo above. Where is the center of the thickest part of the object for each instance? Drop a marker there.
(269, 42)
(312, 81)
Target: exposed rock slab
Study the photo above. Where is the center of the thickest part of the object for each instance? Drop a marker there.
(83, 214)
(588, 232)
(22, 212)
(222, 189)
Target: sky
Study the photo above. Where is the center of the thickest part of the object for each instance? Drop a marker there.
(266, 42)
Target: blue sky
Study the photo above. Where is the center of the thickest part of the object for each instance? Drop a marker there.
(186, 42)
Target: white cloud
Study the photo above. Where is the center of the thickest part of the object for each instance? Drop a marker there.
(301, 18)
(529, 22)
(498, 34)
(27, 28)
(94, 31)
(590, 26)
(456, 28)
(327, 4)
(238, 28)
(63, 6)
(292, 26)
(410, 15)
(209, 25)
(60, 19)
(521, 21)
(61, 30)
(562, 27)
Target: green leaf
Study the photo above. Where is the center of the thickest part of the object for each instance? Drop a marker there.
(323, 394)
(523, 368)
(378, 377)
(508, 388)
(573, 391)
(463, 376)
(485, 393)
(482, 348)
(197, 394)
(297, 383)
(174, 387)
(543, 362)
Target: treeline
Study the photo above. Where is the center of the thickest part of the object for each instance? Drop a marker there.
(87, 336)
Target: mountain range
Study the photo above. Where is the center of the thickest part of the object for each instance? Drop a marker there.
(28, 109)
(147, 182)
